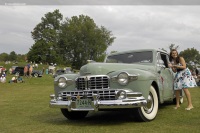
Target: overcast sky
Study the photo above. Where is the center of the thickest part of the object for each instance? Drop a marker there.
(134, 26)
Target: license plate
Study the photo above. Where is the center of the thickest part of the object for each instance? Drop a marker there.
(83, 103)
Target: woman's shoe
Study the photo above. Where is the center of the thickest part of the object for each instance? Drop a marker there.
(189, 108)
(176, 107)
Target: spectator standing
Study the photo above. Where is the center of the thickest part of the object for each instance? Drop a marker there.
(43, 69)
(10, 70)
(47, 71)
(183, 78)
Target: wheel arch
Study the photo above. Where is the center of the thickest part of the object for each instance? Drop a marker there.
(155, 85)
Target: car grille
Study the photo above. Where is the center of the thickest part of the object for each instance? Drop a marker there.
(103, 94)
(92, 82)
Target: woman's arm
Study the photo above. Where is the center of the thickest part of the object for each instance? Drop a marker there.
(182, 62)
(172, 67)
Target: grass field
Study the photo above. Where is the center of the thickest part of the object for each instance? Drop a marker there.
(24, 108)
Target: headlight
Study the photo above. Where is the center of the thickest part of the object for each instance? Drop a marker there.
(121, 95)
(123, 78)
(62, 82)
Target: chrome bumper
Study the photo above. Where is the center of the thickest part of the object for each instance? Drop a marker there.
(98, 104)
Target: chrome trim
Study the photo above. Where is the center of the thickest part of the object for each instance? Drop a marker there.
(91, 82)
(134, 100)
(132, 77)
(68, 81)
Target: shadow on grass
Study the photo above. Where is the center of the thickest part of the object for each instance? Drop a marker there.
(105, 118)
(165, 105)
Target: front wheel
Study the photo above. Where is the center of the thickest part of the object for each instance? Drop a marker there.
(76, 115)
(148, 112)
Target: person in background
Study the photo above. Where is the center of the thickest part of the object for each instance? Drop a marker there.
(10, 70)
(25, 71)
(20, 80)
(43, 69)
(47, 71)
(30, 70)
(183, 78)
(13, 80)
(2, 78)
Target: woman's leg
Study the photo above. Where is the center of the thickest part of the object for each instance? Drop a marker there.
(188, 96)
(177, 98)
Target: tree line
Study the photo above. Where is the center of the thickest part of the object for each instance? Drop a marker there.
(12, 57)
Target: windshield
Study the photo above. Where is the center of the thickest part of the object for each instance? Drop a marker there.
(134, 57)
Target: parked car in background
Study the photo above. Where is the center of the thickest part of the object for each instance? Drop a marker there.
(137, 80)
(20, 71)
(13, 68)
(61, 71)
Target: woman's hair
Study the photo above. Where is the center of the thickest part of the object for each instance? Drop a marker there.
(170, 56)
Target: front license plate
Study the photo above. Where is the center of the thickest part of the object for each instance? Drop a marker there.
(83, 103)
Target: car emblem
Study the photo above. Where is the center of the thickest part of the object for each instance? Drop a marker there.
(86, 78)
(78, 97)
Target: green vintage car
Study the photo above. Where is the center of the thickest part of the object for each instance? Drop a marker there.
(137, 80)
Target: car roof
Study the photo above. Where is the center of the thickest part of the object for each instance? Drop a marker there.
(138, 50)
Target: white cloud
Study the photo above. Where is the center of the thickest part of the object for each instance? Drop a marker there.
(133, 26)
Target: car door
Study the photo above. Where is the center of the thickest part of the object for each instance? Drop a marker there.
(166, 75)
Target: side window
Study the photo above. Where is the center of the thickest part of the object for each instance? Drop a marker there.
(165, 58)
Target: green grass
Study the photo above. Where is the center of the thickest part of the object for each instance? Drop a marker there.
(24, 108)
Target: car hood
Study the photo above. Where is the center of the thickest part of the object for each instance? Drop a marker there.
(106, 68)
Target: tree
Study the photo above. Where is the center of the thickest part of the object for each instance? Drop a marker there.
(4, 57)
(173, 46)
(71, 42)
(46, 35)
(13, 56)
(21, 57)
(191, 55)
(81, 39)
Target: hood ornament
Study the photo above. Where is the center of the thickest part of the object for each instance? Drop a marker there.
(87, 73)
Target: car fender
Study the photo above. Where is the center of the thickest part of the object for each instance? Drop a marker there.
(142, 84)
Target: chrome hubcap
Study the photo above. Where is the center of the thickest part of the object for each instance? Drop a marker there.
(148, 109)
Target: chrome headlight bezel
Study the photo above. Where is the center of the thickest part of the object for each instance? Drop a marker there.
(62, 82)
(123, 78)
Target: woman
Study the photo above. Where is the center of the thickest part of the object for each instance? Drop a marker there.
(25, 70)
(30, 70)
(183, 78)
